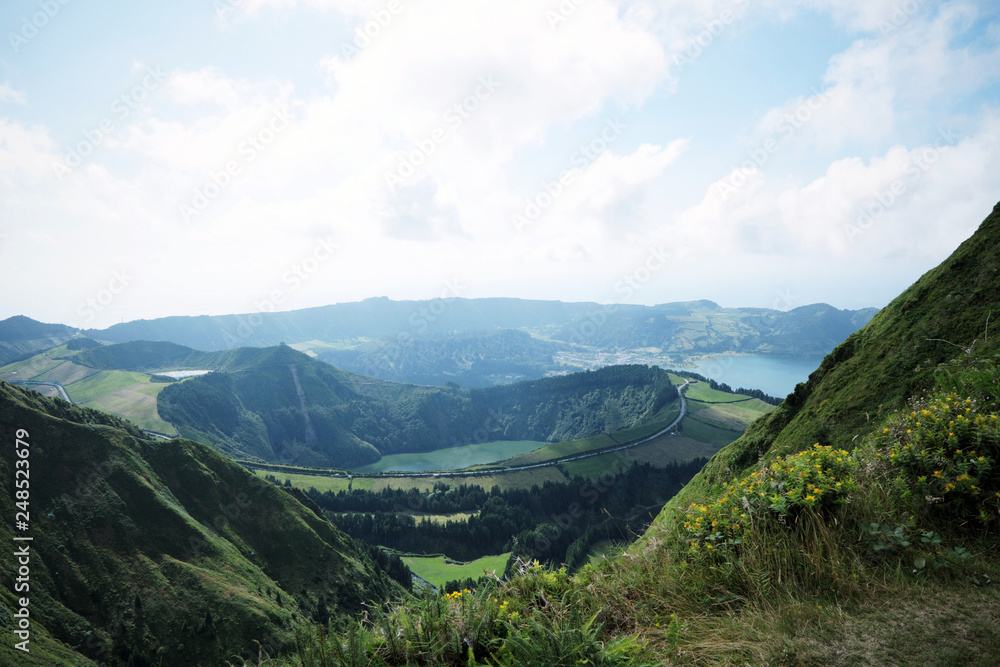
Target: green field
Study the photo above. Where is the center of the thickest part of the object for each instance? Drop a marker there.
(66, 372)
(700, 391)
(136, 403)
(732, 415)
(321, 484)
(453, 458)
(30, 368)
(438, 572)
(560, 449)
(660, 452)
(707, 433)
(104, 382)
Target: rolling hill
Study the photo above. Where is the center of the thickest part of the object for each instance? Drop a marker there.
(286, 407)
(146, 552)
(21, 337)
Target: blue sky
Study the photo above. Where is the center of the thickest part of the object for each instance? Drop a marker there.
(237, 155)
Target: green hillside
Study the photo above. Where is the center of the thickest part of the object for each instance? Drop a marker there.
(147, 552)
(872, 373)
(21, 337)
(857, 524)
(286, 407)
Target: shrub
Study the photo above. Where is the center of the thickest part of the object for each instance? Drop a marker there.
(945, 452)
(818, 479)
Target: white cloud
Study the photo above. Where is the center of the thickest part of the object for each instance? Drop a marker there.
(9, 94)
(882, 86)
(915, 203)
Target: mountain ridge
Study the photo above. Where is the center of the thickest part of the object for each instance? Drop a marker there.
(145, 551)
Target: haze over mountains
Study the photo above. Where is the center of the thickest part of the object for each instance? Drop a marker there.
(684, 328)
(481, 342)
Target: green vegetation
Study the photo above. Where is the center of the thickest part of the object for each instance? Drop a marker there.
(103, 383)
(147, 551)
(559, 449)
(553, 522)
(284, 406)
(469, 359)
(702, 431)
(137, 403)
(22, 337)
(852, 525)
(661, 452)
(439, 571)
(823, 556)
(451, 458)
(702, 391)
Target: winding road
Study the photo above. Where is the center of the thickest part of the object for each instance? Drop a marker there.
(498, 470)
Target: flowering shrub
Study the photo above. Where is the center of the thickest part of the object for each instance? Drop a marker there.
(946, 451)
(819, 478)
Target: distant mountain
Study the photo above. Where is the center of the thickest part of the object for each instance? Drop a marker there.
(469, 359)
(147, 552)
(692, 327)
(277, 404)
(22, 336)
(703, 327)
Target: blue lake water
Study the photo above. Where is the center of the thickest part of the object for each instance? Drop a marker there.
(776, 376)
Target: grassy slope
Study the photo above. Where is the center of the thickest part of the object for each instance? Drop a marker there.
(162, 550)
(805, 588)
(438, 572)
(872, 373)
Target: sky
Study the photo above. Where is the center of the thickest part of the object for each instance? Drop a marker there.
(232, 156)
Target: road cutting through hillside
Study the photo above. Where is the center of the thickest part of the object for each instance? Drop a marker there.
(482, 471)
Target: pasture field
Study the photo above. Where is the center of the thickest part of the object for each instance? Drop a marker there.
(661, 452)
(136, 403)
(557, 450)
(28, 369)
(321, 484)
(700, 391)
(453, 458)
(66, 372)
(707, 433)
(104, 382)
(438, 572)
